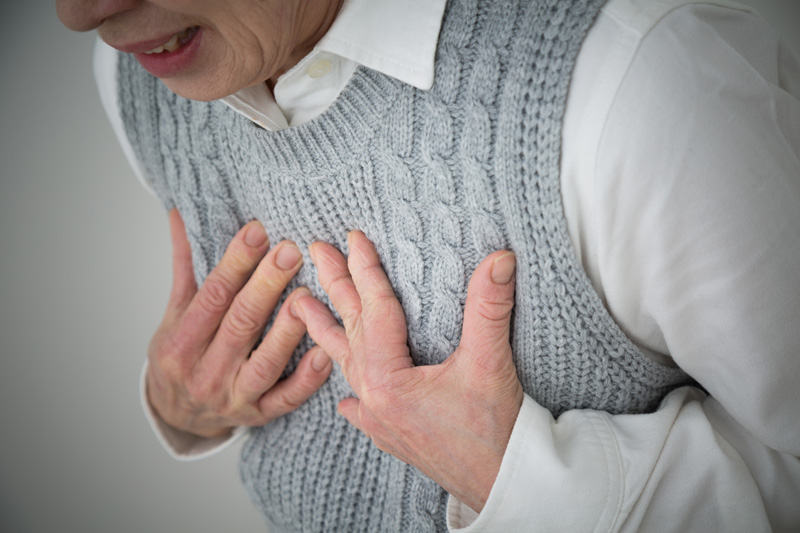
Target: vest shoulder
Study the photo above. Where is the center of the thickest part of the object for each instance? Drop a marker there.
(642, 15)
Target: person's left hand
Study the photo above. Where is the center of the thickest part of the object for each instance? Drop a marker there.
(453, 420)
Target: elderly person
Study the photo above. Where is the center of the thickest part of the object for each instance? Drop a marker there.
(560, 237)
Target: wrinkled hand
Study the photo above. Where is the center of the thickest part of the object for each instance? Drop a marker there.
(453, 420)
(204, 376)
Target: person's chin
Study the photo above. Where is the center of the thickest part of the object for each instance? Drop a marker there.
(199, 90)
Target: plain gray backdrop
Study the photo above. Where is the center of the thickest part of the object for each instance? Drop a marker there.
(85, 264)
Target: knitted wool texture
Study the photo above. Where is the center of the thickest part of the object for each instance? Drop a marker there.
(437, 180)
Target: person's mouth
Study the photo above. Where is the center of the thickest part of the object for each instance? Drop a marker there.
(169, 55)
(175, 42)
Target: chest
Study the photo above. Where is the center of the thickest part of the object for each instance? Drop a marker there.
(416, 187)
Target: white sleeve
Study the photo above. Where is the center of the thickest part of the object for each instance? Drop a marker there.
(695, 241)
(179, 444)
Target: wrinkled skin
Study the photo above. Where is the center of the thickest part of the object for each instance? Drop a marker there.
(245, 42)
(204, 377)
(453, 420)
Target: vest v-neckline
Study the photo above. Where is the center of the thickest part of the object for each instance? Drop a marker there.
(337, 138)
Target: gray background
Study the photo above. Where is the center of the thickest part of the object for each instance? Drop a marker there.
(85, 264)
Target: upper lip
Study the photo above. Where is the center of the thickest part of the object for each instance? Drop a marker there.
(144, 46)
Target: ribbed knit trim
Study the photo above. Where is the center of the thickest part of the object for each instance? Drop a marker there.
(334, 139)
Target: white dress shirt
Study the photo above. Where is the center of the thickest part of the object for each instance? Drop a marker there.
(680, 177)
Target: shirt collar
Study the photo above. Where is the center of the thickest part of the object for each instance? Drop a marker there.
(395, 38)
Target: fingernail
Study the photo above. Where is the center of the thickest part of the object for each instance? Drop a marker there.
(300, 292)
(312, 253)
(297, 311)
(255, 236)
(319, 361)
(351, 235)
(503, 268)
(287, 256)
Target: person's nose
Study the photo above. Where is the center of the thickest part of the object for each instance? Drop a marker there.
(85, 15)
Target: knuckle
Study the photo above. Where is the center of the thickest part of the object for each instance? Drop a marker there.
(283, 336)
(215, 295)
(178, 343)
(340, 282)
(287, 401)
(383, 301)
(197, 392)
(243, 412)
(235, 409)
(330, 330)
(244, 319)
(307, 384)
(270, 281)
(494, 310)
(293, 397)
(265, 370)
(373, 268)
(168, 354)
(205, 393)
(278, 338)
(239, 258)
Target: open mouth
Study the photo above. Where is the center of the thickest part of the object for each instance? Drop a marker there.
(175, 42)
(173, 56)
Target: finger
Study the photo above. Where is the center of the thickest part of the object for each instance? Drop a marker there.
(265, 365)
(209, 305)
(184, 286)
(348, 408)
(326, 332)
(368, 275)
(382, 315)
(335, 279)
(487, 313)
(289, 394)
(254, 304)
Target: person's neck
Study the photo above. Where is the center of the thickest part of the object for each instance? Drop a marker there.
(314, 20)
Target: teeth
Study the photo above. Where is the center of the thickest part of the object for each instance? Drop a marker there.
(175, 42)
(172, 44)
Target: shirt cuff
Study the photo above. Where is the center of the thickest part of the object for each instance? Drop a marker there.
(182, 445)
(563, 475)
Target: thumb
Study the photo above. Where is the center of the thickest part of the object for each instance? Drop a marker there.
(487, 313)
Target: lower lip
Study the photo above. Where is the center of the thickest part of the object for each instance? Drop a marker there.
(168, 64)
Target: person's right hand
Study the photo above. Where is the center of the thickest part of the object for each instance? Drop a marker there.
(204, 376)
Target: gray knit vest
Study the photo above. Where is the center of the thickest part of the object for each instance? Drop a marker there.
(437, 179)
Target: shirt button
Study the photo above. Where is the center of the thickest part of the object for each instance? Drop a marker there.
(317, 69)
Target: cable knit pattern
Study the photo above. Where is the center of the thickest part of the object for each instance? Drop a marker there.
(437, 179)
